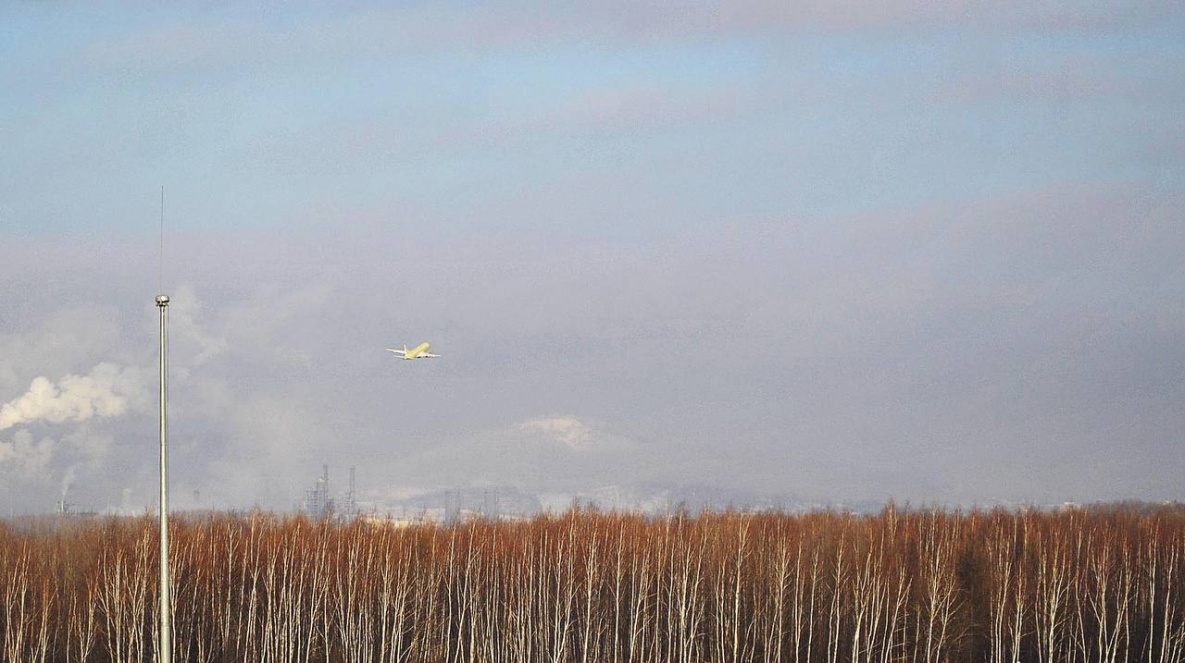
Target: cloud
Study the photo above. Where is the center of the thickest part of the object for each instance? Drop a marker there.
(88, 446)
(107, 391)
(1079, 78)
(719, 226)
(188, 334)
(563, 429)
(186, 45)
(637, 106)
(269, 445)
(936, 352)
(62, 340)
(25, 455)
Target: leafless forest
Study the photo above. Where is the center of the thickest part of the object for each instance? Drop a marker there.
(1101, 585)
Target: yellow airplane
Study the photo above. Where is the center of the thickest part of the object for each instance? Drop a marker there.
(418, 352)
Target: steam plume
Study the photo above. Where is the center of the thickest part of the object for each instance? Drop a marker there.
(66, 481)
(108, 391)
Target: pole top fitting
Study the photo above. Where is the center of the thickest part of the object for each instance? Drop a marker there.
(162, 300)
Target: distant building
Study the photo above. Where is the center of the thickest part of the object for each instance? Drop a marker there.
(317, 504)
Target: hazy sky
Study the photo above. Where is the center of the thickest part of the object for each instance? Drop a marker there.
(929, 251)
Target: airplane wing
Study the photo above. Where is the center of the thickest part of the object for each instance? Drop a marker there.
(428, 355)
(398, 352)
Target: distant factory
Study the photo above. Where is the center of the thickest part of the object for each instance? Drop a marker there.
(319, 503)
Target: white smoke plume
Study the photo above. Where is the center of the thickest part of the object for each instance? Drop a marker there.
(66, 482)
(108, 391)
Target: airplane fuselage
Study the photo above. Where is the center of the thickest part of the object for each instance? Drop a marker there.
(418, 352)
(415, 352)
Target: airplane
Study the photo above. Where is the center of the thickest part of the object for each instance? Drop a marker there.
(418, 352)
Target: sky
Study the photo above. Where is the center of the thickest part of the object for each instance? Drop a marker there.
(828, 252)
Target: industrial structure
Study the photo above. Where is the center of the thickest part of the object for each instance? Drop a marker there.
(319, 503)
(350, 503)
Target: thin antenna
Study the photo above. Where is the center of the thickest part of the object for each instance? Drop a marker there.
(161, 281)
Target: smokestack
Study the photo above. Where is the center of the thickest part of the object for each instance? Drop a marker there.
(351, 506)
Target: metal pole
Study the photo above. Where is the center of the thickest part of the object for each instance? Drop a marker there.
(166, 652)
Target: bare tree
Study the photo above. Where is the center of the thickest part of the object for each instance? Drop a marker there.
(939, 599)
(1052, 586)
